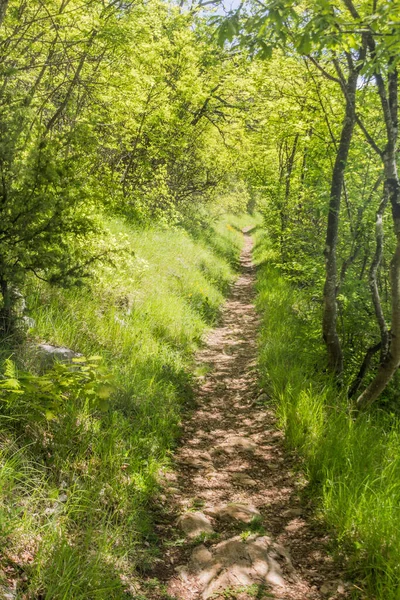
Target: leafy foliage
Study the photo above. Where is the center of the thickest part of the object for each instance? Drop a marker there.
(83, 445)
(130, 109)
(34, 398)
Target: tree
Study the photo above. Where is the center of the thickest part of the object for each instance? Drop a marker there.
(46, 208)
(342, 42)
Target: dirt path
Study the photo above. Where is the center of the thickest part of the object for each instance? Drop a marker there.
(237, 528)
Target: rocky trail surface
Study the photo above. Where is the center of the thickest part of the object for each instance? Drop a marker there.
(234, 525)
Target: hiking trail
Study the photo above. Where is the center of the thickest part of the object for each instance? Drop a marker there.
(234, 498)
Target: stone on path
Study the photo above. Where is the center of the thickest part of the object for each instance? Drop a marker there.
(194, 524)
(201, 556)
(50, 354)
(235, 563)
(243, 479)
(237, 443)
(235, 511)
(198, 460)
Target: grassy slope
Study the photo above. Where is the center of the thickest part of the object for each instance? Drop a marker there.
(75, 496)
(353, 465)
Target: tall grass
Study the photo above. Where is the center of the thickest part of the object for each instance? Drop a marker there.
(77, 497)
(353, 465)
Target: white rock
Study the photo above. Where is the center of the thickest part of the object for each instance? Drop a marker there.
(57, 353)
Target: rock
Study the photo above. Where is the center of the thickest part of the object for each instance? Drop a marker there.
(330, 587)
(235, 563)
(28, 322)
(325, 589)
(294, 526)
(263, 399)
(194, 524)
(50, 510)
(201, 556)
(200, 460)
(236, 443)
(50, 354)
(8, 593)
(236, 511)
(273, 466)
(206, 575)
(274, 576)
(204, 455)
(182, 572)
(243, 479)
(121, 322)
(284, 553)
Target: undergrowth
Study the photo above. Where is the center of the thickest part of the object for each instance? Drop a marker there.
(352, 464)
(78, 481)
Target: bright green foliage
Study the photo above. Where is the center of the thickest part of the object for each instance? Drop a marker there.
(119, 107)
(353, 466)
(294, 142)
(28, 398)
(82, 446)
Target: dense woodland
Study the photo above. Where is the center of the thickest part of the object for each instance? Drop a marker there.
(136, 140)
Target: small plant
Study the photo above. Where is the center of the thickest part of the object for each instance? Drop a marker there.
(28, 397)
(255, 526)
(197, 504)
(206, 537)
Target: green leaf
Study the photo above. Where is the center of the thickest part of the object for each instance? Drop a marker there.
(10, 384)
(305, 45)
(227, 30)
(104, 391)
(266, 50)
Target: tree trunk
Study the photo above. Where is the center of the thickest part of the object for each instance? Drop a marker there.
(329, 323)
(392, 360)
(3, 10)
(373, 278)
(6, 308)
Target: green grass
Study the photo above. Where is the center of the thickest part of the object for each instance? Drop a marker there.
(353, 466)
(78, 493)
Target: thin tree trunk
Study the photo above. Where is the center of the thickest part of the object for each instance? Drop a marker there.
(284, 210)
(392, 360)
(363, 369)
(6, 309)
(3, 10)
(373, 279)
(389, 102)
(289, 168)
(329, 322)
